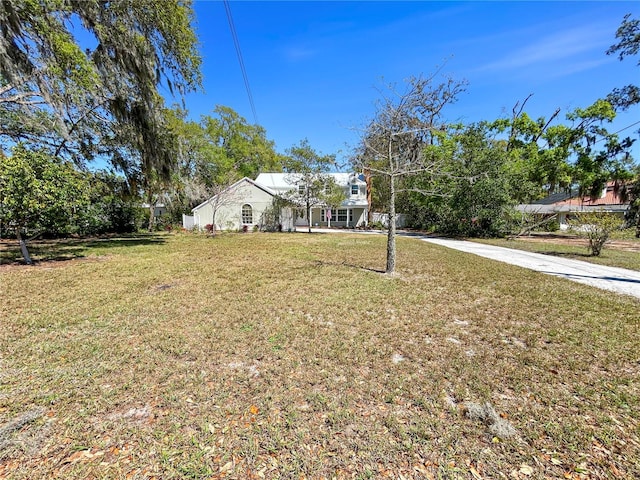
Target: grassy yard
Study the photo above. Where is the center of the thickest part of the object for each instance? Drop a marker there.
(291, 356)
(623, 253)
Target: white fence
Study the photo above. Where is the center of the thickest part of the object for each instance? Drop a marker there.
(187, 221)
(401, 219)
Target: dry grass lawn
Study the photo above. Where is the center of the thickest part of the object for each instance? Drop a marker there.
(622, 253)
(291, 356)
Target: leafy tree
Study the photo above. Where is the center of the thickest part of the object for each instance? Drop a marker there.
(240, 149)
(476, 183)
(308, 171)
(599, 155)
(628, 35)
(214, 153)
(633, 214)
(38, 193)
(393, 145)
(112, 208)
(629, 190)
(550, 157)
(99, 96)
(535, 153)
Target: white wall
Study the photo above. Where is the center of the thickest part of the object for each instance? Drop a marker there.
(229, 207)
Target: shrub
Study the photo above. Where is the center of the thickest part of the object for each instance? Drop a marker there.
(596, 227)
(552, 226)
(377, 225)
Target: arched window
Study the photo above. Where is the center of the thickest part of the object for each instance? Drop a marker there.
(247, 214)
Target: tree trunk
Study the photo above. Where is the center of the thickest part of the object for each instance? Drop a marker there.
(23, 248)
(367, 179)
(391, 236)
(213, 222)
(308, 211)
(152, 209)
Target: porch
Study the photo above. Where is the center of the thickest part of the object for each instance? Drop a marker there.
(348, 217)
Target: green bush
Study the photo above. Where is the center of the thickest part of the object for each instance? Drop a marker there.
(597, 227)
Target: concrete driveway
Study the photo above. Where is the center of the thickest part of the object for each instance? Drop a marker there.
(619, 280)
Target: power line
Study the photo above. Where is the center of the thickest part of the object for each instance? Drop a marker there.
(240, 60)
(615, 133)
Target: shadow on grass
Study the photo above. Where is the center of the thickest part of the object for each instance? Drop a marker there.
(322, 263)
(564, 254)
(60, 250)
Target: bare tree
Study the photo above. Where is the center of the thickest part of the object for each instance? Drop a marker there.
(223, 196)
(216, 195)
(395, 144)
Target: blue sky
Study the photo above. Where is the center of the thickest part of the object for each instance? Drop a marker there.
(314, 67)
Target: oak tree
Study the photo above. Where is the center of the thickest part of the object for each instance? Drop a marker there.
(38, 192)
(82, 78)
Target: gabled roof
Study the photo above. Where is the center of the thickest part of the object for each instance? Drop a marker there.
(569, 208)
(557, 197)
(287, 181)
(609, 201)
(234, 185)
(610, 196)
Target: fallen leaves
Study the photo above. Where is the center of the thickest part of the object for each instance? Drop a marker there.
(526, 470)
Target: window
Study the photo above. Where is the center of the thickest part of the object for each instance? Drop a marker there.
(323, 215)
(301, 189)
(355, 189)
(247, 214)
(342, 215)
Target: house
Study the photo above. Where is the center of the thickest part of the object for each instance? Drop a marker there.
(247, 202)
(241, 204)
(351, 213)
(566, 204)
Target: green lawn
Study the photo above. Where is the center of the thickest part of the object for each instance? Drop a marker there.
(622, 256)
(292, 356)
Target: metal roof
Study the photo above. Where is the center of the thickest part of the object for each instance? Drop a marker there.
(287, 181)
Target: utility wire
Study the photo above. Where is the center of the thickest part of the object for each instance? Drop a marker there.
(232, 27)
(615, 133)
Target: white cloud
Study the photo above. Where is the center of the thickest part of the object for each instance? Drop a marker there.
(298, 52)
(566, 46)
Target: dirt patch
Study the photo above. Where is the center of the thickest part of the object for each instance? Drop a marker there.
(626, 245)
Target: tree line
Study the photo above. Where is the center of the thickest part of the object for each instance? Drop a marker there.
(64, 106)
(467, 179)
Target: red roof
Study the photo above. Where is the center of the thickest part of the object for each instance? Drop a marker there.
(610, 197)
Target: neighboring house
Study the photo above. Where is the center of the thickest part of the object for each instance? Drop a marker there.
(159, 209)
(566, 205)
(244, 204)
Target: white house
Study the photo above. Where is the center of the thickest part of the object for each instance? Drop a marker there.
(244, 204)
(351, 213)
